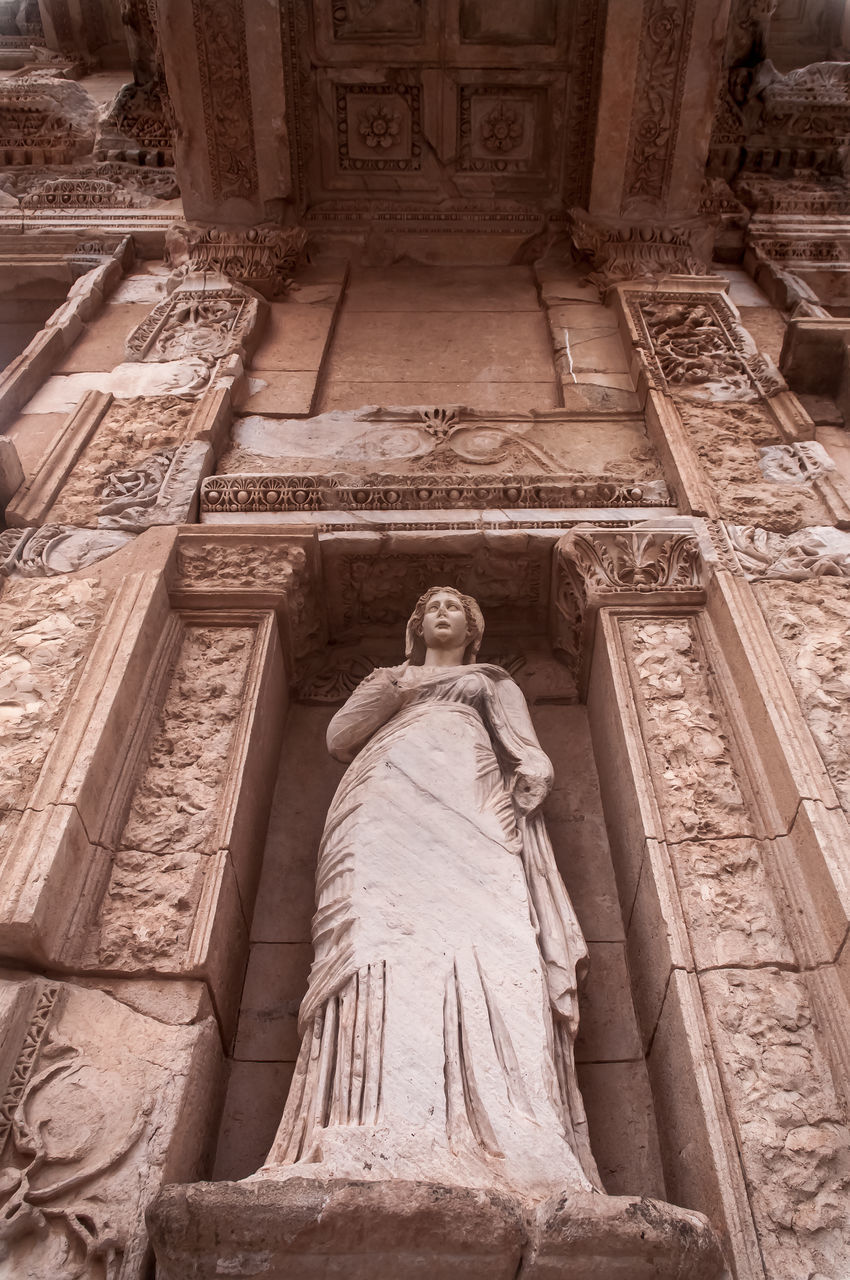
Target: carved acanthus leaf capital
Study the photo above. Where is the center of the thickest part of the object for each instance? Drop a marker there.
(262, 257)
(626, 250)
(649, 568)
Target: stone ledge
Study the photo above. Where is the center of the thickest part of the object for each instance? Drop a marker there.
(312, 1228)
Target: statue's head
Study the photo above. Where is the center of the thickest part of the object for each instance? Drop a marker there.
(415, 645)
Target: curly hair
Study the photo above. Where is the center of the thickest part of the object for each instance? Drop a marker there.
(474, 625)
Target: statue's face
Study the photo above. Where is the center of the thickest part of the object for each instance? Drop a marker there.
(444, 622)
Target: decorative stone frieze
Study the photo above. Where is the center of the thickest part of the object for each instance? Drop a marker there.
(45, 121)
(262, 257)
(783, 122)
(138, 126)
(230, 494)
(104, 185)
(81, 193)
(594, 567)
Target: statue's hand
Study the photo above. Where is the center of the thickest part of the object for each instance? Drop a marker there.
(395, 688)
(531, 785)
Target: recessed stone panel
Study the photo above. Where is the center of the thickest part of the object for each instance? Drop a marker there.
(378, 127)
(507, 22)
(499, 128)
(376, 19)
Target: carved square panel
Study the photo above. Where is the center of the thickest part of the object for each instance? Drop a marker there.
(376, 19)
(510, 22)
(499, 129)
(379, 127)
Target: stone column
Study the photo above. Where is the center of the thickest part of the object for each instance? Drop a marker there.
(91, 28)
(660, 76)
(224, 69)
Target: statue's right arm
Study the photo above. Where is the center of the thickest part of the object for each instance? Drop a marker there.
(375, 700)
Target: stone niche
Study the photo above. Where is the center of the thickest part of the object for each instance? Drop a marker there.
(683, 847)
(367, 595)
(369, 599)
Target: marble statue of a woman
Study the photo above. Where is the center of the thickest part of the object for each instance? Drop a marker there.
(439, 1021)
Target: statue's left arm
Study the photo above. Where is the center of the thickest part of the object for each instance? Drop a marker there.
(531, 768)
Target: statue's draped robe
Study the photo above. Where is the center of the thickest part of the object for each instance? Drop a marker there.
(441, 1011)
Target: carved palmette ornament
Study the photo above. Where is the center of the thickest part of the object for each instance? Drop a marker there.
(262, 257)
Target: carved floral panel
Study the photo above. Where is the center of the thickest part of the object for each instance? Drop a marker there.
(378, 127)
(810, 625)
(501, 128)
(790, 1126)
(697, 350)
(696, 776)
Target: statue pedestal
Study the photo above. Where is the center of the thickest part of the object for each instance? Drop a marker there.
(338, 1230)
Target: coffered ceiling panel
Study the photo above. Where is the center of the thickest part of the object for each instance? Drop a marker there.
(444, 110)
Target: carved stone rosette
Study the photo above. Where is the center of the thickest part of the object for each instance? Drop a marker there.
(262, 257)
(596, 567)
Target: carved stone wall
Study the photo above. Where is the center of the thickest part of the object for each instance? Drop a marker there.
(440, 305)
